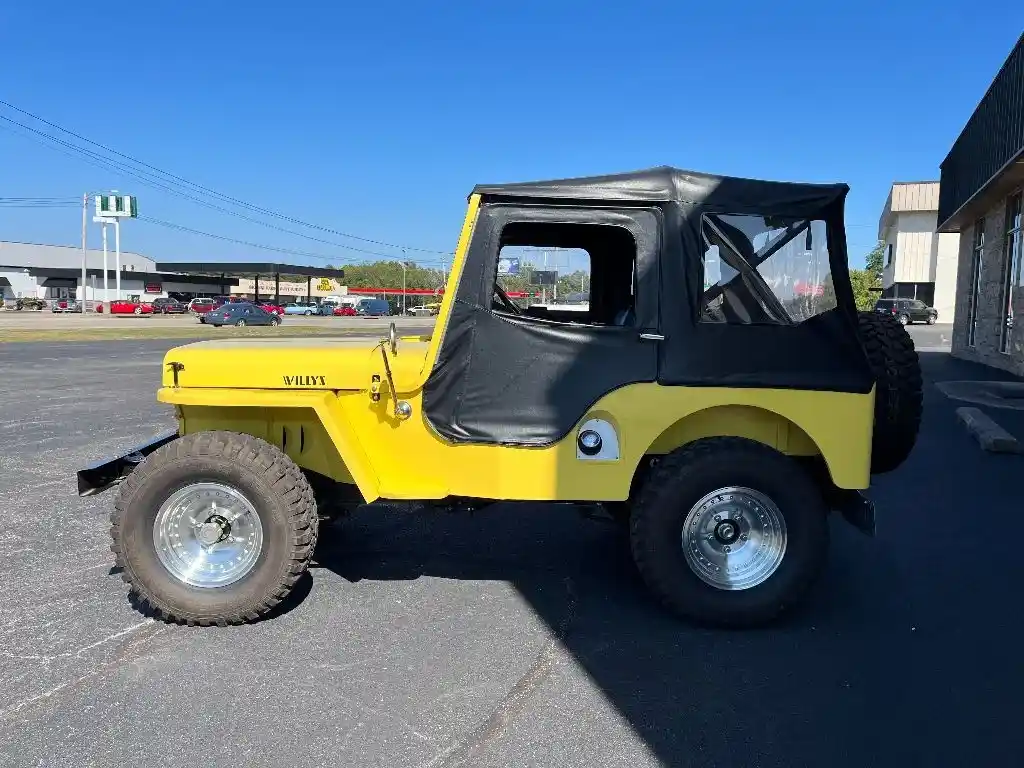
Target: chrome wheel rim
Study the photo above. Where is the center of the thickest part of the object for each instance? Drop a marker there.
(734, 538)
(208, 535)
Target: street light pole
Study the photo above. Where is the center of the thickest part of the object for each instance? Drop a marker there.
(106, 288)
(117, 258)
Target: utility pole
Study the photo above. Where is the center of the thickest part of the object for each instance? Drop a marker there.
(403, 281)
(85, 252)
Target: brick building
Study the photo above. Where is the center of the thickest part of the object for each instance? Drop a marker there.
(981, 198)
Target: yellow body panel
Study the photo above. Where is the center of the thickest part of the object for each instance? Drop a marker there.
(312, 398)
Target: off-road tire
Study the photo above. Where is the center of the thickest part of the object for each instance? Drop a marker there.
(685, 476)
(268, 478)
(899, 399)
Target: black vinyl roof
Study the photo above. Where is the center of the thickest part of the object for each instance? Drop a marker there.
(667, 184)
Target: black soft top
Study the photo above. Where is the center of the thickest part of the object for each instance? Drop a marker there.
(667, 184)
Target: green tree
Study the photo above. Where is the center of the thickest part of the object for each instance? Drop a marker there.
(874, 262)
(863, 281)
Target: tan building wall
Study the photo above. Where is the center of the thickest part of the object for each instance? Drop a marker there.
(947, 254)
(920, 254)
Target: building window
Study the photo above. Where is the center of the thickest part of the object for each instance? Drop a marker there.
(888, 254)
(1011, 268)
(977, 249)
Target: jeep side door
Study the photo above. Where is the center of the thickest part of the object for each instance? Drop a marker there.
(508, 374)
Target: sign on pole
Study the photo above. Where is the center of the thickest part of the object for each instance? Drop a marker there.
(508, 266)
(545, 277)
(117, 206)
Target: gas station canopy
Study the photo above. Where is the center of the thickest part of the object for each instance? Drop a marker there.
(254, 270)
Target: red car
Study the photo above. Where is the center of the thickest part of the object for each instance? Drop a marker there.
(345, 311)
(273, 309)
(130, 308)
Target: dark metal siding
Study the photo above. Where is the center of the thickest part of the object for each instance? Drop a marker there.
(992, 137)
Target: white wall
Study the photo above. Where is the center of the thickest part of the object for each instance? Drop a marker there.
(22, 285)
(946, 263)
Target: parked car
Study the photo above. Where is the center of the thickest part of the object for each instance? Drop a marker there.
(908, 311)
(65, 305)
(200, 306)
(301, 308)
(274, 309)
(28, 302)
(168, 306)
(424, 310)
(373, 308)
(237, 313)
(327, 308)
(127, 307)
(345, 310)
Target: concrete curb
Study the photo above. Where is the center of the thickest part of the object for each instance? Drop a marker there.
(990, 436)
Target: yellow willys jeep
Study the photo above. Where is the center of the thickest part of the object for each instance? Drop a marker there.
(720, 395)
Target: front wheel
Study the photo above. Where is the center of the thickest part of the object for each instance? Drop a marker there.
(728, 531)
(138, 310)
(931, 319)
(904, 320)
(240, 323)
(308, 313)
(275, 321)
(213, 528)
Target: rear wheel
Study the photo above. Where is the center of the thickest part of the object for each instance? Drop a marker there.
(904, 320)
(213, 528)
(728, 531)
(898, 389)
(138, 310)
(240, 323)
(931, 320)
(275, 321)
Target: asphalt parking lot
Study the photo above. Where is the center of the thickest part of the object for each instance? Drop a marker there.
(515, 637)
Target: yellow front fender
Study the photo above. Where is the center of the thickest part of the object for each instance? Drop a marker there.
(307, 425)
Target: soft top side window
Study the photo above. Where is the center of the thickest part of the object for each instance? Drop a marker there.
(567, 273)
(764, 270)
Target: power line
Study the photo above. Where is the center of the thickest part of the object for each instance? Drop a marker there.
(148, 179)
(247, 243)
(180, 181)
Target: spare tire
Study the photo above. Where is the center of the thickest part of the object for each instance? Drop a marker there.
(898, 396)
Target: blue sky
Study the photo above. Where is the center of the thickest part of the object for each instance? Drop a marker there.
(377, 118)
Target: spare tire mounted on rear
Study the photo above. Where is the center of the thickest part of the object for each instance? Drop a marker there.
(898, 396)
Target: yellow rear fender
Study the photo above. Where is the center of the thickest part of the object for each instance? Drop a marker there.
(750, 422)
(308, 426)
(831, 425)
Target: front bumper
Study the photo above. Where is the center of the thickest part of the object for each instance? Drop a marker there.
(106, 473)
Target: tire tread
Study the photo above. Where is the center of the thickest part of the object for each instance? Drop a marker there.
(279, 472)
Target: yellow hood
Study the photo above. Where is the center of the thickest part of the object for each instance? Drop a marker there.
(300, 363)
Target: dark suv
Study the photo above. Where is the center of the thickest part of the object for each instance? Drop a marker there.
(168, 306)
(908, 311)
